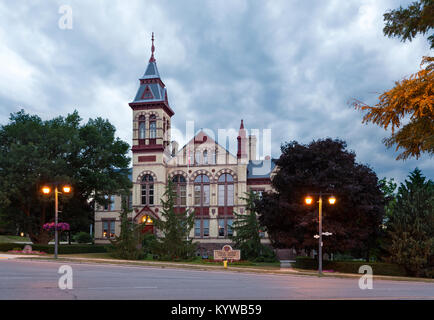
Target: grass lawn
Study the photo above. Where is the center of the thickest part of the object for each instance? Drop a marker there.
(4, 239)
(107, 255)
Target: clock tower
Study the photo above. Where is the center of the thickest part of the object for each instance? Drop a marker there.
(151, 136)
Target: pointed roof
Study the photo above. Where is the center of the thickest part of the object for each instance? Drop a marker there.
(151, 89)
(152, 70)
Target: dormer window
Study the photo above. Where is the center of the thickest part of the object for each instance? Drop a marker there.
(147, 94)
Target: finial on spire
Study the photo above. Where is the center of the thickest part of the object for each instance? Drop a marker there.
(152, 59)
(242, 124)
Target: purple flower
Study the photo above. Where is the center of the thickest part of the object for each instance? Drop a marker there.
(61, 226)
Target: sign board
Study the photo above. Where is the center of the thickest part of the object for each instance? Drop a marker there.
(27, 249)
(227, 253)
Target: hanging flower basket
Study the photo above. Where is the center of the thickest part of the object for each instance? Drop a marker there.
(61, 226)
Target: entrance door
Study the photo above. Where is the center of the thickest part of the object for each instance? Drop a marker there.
(148, 225)
(148, 229)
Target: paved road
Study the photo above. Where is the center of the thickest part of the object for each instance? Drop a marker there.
(39, 280)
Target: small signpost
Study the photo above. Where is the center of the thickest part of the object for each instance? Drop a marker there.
(27, 249)
(227, 253)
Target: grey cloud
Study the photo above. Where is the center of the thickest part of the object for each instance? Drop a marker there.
(286, 65)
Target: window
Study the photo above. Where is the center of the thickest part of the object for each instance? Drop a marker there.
(142, 127)
(205, 157)
(201, 190)
(201, 228)
(112, 203)
(258, 193)
(142, 130)
(152, 129)
(229, 225)
(180, 189)
(197, 228)
(205, 227)
(221, 227)
(128, 201)
(197, 157)
(106, 205)
(225, 190)
(108, 228)
(147, 190)
(225, 227)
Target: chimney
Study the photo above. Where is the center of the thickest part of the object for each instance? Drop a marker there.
(242, 143)
(252, 147)
(174, 148)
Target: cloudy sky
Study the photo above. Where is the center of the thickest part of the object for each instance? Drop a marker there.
(290, 66)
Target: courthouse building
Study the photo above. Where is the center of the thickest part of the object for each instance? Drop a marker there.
(209, 180)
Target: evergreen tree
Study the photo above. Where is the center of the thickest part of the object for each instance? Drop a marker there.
(174, 228)
(388, 187)
(411, 226)
(129, 243)
(246, 229)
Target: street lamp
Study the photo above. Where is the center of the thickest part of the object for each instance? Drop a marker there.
(46, 190)
(332, 200)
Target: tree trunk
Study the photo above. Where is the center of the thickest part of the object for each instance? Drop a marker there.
(43, 237)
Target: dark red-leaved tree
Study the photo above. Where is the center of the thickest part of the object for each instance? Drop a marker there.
(326, 166)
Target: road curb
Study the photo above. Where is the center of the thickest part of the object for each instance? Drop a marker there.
(285, 271)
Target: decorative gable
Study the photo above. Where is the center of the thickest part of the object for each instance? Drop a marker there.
(147, 94)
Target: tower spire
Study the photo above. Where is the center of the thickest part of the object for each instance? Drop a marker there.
(152, 59)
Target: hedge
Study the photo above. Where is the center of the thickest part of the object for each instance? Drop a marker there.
(63, 249)
(378, 268)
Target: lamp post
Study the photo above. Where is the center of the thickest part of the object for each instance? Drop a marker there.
(309, 200)
(46, 190)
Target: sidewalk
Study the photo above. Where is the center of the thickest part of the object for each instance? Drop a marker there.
(204, 267)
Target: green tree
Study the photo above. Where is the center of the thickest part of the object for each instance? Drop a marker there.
(406, 23)
(129, 243)
(34, 152)
(174, 228)
(388, 187)
(411, 225)
(246, 230)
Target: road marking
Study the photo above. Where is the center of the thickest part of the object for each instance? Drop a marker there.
(99, 288)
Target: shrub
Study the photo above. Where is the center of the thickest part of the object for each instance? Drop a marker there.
(63, 249)
(378, 268)
(83, 237)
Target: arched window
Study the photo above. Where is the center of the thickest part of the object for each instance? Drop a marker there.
(201, 190)
(152, 129)
(142, 129)
(180, 186)
(147, 190)
(205, 157)
(226, 190)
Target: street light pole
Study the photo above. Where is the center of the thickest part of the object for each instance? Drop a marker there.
(56, 214)
(320, 235)
(47, 190)
(309, 200)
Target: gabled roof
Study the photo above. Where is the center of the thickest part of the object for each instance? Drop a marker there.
(202, 137)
